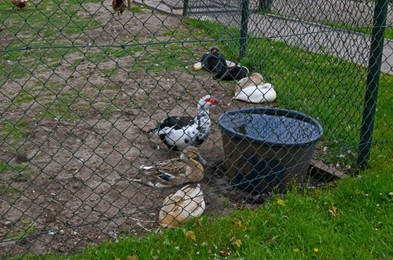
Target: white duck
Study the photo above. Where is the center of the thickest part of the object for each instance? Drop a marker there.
(253, 79)
(174, 172)
(253, 89)
(257, 93)
(178, 132)
(184, 204)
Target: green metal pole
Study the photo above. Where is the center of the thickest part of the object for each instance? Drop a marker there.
(374, 69)
(244, 28)
(185, 8)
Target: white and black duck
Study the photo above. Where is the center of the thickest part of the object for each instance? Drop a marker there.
(178, 132)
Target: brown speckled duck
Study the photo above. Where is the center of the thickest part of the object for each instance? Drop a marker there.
(184, 204)
(174, 172)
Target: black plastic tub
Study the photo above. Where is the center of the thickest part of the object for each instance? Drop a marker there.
(268, 148)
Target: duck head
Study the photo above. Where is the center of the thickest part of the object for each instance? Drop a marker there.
(191, 152)
(214, 50)
(206, 102)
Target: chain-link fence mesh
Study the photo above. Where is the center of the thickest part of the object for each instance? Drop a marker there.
(82, 85)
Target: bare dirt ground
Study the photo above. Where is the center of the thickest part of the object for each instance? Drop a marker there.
(75, 189)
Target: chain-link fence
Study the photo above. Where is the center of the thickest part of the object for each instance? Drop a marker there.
(82, 85)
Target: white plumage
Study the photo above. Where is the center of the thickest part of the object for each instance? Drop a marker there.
(178, 132)
(257, 93)
(184, 204)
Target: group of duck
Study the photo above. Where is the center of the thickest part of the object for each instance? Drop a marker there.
(250, 88)
(185, 134)
(186, 203)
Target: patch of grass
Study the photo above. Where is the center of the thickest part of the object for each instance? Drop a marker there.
(47, 22)
(345, 26)
(14, 130)
(26, 95)
(26, 63)
(108, 112)
(70, 105)
(7, 189)
(138, 8)
(6, 167)
(22, 174)
(30, 31)
(365, 30)
(18, 173)
(29, 227)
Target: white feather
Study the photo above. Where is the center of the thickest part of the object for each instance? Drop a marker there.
(186, 203)
(257, 93)
(197, 66)
(144, 167)
(231, 64)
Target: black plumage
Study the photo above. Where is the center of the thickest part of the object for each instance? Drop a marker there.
(214, 61)
(233, 73)
(119, 6)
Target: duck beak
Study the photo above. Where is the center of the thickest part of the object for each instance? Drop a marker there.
(202, 160)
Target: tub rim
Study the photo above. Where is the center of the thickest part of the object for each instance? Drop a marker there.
(275, 112)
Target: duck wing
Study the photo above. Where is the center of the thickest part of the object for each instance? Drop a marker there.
(186, 203)
(173, 122)
(164, 174)
(177, 122)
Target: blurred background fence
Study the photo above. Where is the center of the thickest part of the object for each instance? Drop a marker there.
(81, 85)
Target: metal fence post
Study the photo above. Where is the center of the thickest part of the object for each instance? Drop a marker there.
(185, 8)
(374, 69)
(244, 28)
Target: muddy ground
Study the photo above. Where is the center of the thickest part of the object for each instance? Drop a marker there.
(72, 188)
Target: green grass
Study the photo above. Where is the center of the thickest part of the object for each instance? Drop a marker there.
(28, 228)
(48, 22)
(345, 26)
(6, 167)
(15, 131)
(34, 28)
(18, 173)
(365, 30)
(138, 8)
(349, 220)
(6, 189)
